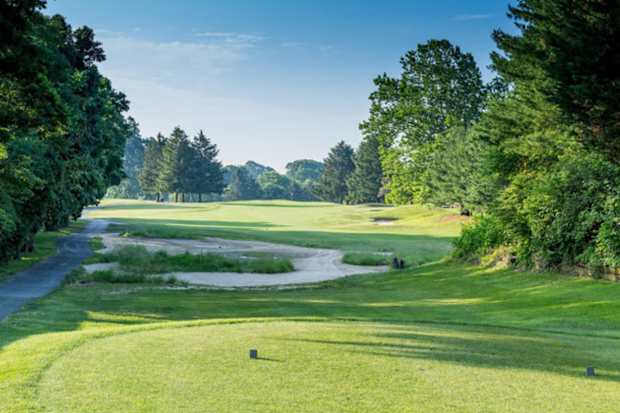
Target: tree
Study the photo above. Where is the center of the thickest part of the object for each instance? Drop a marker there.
(254, 169)
(439, 87)
(304, 171)
(275, 186)
(241, 185)
(63, 127)
(570, 51)
(338, 168)
(206, 171)
(177, 157)
(153, 158)
(133, 162)
(366, 181)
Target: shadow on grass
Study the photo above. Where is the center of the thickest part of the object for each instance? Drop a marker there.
(444, 312)
(489, 348)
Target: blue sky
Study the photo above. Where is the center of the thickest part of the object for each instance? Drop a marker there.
(273, 80)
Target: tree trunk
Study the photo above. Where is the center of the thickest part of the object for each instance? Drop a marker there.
(183, 197)
(200, 197)
(176, 197)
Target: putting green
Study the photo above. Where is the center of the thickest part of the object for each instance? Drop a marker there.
(329, 366)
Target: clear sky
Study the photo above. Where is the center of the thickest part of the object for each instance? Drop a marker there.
(272, 80)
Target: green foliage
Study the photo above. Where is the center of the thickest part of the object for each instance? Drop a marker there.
(365, 183)
(457, 171)
(205, 172)
(133, 163)
(360, 258)
(338, 167)
(480, 238)
(62, 129)
(552, 155)
(175, 174)
(153, 158)
(570, 53)
(241, 185)
(440, 87)
(304, 170)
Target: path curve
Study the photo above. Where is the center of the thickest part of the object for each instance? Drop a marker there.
(45, 276)
(311, 264)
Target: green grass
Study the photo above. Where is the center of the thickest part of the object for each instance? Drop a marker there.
(359, 258)
(45, 246)
(420, 235)
(443, 337)
(135, 259)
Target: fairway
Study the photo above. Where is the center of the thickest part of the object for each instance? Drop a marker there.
(438, 336)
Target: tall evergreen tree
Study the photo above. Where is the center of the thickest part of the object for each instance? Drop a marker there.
(338, 168)
(175, 170)
(153, 158)
(570, 51)
(366, 181)
(206, 172)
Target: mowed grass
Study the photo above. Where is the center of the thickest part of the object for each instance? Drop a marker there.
(440, 337)
(420, 234)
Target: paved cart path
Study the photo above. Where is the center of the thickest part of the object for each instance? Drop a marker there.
(47, 275)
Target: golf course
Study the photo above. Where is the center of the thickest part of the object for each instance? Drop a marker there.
(438, 335)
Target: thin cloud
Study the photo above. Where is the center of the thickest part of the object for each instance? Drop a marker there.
(231, 36)
(468, 17)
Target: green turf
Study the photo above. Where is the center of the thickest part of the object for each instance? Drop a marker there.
(45, 246)
(441, 337)
(420, 235)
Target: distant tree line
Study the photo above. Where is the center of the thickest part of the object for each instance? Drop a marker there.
(62, 125)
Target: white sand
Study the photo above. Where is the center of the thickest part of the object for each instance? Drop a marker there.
(311, 264)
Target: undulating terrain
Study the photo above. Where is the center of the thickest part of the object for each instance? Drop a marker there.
(436, 336)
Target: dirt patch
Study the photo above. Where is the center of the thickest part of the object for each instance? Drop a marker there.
(311, 265)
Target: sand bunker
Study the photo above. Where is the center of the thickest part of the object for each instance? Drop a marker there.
(311, 264)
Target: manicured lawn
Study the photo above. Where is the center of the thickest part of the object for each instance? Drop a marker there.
(440, 337)
(45, 246)
(420, 234)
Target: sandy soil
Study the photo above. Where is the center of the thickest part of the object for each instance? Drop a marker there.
(311, 264)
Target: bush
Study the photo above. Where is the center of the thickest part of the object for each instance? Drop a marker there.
(359, 258)
(480, 238)
(568, 215)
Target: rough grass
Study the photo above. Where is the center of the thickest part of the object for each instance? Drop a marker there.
(359, 258)
(136, 259)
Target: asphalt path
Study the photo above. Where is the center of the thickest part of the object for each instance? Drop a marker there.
(45, 276)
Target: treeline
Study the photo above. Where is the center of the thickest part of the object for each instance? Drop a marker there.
(62, 129)
(176, 168)
(534, 154)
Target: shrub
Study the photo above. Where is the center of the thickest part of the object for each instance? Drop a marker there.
(359, 258)
(480, 238)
